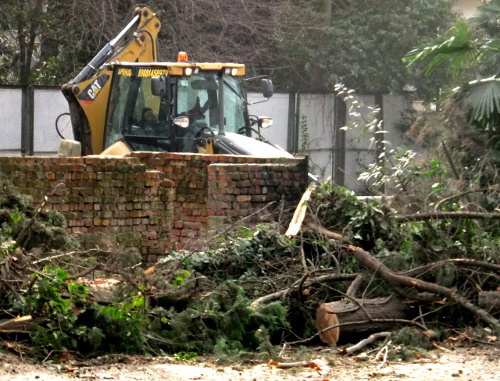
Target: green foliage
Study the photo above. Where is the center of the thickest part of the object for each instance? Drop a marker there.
(470, 111)
(427, 242)
(32, 50)
(456, 50)
(123, 326)
(340, 45)
(221, 321)
(71, 321)
(408, 343)
(183, 356)
(47, 231)
(242, 256)
(486, 18)
(290, 38)
(60, 331)
(180, 279)
(363, 222)
(402, 246)
(397, 170)
(411, 336)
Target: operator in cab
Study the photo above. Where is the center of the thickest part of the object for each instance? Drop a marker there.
(149, 122)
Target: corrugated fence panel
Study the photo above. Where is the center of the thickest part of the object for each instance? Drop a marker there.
(316, 131)
(49, 104)
(276, 108)
(10, 121)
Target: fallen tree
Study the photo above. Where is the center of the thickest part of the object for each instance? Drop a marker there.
(255, 288)
(398, 280)
(407, 284)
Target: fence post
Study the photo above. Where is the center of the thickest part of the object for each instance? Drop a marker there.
(27, 120)
(340, 120)
(292, 138)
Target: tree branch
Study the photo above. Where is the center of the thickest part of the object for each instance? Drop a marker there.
(396, 280)
(455, 261)
(447, 215)
(363, 343)
(277, 295)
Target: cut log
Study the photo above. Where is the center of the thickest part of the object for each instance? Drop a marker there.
(490, 301)
(21, 324)
(327, 324)
(358, 315)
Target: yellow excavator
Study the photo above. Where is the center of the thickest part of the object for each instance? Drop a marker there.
(124, 100)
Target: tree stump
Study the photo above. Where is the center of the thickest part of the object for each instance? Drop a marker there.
(365, 315)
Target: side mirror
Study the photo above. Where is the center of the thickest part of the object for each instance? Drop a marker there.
(158, 86)
(267, 88)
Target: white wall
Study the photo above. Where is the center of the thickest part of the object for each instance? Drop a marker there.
(49, 104)
(316, 131)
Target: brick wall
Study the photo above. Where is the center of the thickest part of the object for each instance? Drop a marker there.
(157, 202)
(237, 191)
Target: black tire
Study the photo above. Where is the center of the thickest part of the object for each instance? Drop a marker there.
(61, 126)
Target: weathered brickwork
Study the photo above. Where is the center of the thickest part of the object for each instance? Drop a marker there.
(236, 191)
(156, 202)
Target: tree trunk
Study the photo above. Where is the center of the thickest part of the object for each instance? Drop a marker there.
(358, 315)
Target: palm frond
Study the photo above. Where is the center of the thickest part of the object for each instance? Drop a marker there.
(459, 50)
(487, 18)
(483, 97)
(492, 45)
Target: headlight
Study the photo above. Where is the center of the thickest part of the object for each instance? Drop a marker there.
(265, 122)
(182, 121)
(188, 71)
(231, 71)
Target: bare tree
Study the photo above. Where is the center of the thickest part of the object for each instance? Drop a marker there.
(301, 44)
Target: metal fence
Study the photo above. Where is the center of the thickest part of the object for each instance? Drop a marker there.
(27, 123)
(303, 123)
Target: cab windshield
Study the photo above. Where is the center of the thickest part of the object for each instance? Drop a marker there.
(145, 121)
(197, 97)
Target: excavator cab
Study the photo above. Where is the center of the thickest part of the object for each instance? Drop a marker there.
(188, 106)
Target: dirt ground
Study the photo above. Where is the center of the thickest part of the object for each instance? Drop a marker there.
(474, 363)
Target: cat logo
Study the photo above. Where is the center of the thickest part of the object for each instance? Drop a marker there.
(90, 93)
(94, 89)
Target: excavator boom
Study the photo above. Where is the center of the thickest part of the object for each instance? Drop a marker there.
(88, 93)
